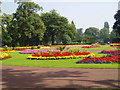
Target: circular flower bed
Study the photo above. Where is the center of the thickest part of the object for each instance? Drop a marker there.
(110, 59)
(58, 55)
(4, 56)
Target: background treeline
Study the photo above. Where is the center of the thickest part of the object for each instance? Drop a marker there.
(27, 27)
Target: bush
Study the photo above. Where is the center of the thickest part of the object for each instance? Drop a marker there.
(32, 47)
(38, 47)
(75, 43)
(102, 43)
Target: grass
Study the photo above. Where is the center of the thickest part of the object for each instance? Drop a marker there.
(21, 60)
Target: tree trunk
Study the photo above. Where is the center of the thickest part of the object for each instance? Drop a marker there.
(52, 39)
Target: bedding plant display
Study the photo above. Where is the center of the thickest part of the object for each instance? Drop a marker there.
(60, 55)
(4, 56)
(112, 57)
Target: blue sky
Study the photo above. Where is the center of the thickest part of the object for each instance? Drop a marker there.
(84, 14)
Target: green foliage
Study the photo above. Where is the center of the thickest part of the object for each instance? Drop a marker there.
(38, 47)
(93, 34)
(75, 43)
(66, 39)
(116, 25)
(27, 27)
(51, 52)
(114, 36)
(32, 47)
(87, 39)
(104, 35)
(56, 26)
(6, 22)
(61, 48)
(106, 25)
(79, 35)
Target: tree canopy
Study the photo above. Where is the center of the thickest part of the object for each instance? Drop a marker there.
(116, 25)
(56, 26)
(27, 25)
(93, 33)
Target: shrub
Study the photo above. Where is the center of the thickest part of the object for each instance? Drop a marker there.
(32, 47)
(38, 47)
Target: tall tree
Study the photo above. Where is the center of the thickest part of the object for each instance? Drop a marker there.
(6, 22)
(79, 35)
(116, 25)
(27, 26)
(56, 26)
(114, 36)
(92, 32)
(104, 33)
(106, 25)
(72, 31)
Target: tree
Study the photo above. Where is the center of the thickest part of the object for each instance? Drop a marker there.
(66, 39)
(106, 25)
(114, 36)
(56, 26)
(6, 22)
(27, 27)
(92, 32)
(72, 31)
(79, 35)
(88, 39)
(104, 33)
(116, 25)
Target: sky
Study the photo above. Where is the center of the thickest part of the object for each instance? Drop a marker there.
(84, 13)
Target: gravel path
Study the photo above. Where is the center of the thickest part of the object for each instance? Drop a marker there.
(37, 77)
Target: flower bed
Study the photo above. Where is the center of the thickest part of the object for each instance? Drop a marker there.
(115, 52)
(116, 47)
(35, 51)
(90, 46)
(115, 44)
(58, 55)
(4, 56)
(7, 50)
(110, 59)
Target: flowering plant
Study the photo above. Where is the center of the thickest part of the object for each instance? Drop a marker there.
(111, 52)
(107, 59)
(90, 46)
(4, 56)
(115, 44)
(59, 55)
(37, 51)
(7, 50)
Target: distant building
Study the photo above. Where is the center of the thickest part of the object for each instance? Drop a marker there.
(119, 5)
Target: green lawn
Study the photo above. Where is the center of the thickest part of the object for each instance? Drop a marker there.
(21, 60)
